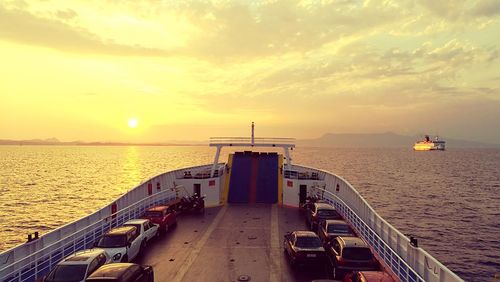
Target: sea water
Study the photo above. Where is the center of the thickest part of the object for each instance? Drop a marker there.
(449, 200)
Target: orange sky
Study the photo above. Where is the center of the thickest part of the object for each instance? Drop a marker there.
(80, 70)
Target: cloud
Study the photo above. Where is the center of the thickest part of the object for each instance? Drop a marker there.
(488, 8)
(66, 14)
(22, 27)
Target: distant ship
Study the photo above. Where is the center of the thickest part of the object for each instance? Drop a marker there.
(428, 145)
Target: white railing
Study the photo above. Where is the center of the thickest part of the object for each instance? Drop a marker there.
(31, 261)
(405, 261)
(235, 141)
(199, 172)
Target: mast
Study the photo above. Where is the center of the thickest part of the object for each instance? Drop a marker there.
(253, 136)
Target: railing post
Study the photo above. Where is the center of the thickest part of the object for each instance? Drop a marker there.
(216, 161)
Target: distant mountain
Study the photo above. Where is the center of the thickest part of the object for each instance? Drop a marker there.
(382, 140)
(49, 141)
(378, 140)
(54, 141)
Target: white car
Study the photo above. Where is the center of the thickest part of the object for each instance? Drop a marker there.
(147, 230)
(122, 244)
(78, 266)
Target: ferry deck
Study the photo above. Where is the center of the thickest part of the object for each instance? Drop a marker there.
(231, 243)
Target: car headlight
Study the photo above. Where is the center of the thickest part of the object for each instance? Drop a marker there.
(117, 256)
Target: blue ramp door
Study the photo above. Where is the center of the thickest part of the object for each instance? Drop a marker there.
(239, 183)
(267, 179)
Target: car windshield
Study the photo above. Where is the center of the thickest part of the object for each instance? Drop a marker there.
(112, 241)
(327, 213)
(339, 228)
(308, 242)
(153, 214)
(357, 253)
(67, 273)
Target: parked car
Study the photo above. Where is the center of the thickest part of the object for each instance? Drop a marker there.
(331, 228)
(318, 212)
(350, 254)
(164, 216)
(146, 230)
(122, 244)
(78, 266)
(304, 247)
(368, 276)
(123, 272)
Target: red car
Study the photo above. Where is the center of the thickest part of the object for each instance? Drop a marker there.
(368, 276)
(162, 215)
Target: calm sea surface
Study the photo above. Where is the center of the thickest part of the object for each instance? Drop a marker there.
(449, 200)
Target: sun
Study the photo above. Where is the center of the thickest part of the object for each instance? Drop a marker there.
(133, 122)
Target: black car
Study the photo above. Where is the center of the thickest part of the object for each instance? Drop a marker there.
(304, 247)
(318, 212)
(122, 272)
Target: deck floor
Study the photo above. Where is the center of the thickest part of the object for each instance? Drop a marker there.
(227, 242)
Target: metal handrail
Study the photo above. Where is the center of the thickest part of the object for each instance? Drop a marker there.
(75, 233)
(424, 253)
(239, 140)
(339, 200)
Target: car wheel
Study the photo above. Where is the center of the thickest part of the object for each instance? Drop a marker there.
(125, 258)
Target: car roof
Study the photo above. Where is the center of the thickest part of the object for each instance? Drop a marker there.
(324, 206)
(305, 234)
(352, 242)
(136, 221)
(115, 270)
(336, 221)
(82, 257)
(120, 230)
(158, 208)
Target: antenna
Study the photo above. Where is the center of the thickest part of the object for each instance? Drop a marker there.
(253, 137)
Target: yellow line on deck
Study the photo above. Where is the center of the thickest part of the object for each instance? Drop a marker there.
(199, 245)
(274, 257)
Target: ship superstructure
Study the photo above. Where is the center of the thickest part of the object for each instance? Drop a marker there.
(429, 145)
